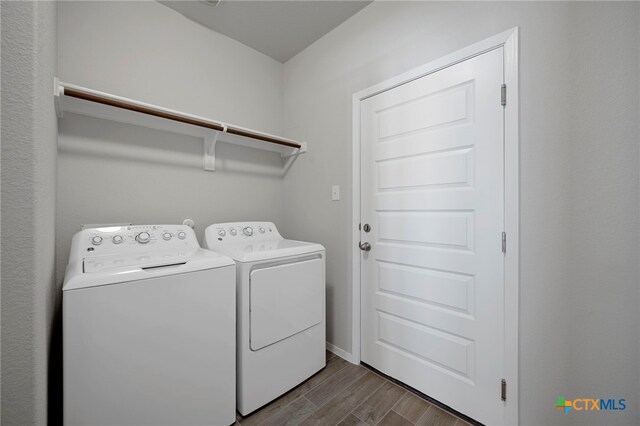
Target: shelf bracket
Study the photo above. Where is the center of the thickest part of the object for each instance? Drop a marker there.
(209, 143)
(58, 91)
(296, 151)
(290, 158)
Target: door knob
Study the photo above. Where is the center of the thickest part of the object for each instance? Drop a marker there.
(365, 246)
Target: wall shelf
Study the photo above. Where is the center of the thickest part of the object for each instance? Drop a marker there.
(83, 101)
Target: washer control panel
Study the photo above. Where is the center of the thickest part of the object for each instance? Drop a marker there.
(243, 232)
(123, 240)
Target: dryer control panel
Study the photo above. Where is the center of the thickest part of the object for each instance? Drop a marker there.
(241, 232)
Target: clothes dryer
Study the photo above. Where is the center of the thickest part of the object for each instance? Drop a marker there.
(281, 308)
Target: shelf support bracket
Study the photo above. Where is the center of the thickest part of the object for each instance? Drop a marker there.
(58, 91)
(296, 151)
(210, 140)
(290, 158)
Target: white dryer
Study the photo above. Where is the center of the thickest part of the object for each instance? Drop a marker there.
(281, 309)
(149, 329)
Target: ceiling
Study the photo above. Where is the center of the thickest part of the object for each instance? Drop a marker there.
(279, 29)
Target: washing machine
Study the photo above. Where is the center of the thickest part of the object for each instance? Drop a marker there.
(281, 309)
(148, 329)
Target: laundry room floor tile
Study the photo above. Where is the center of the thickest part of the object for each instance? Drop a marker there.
(335, 384)
(411, 407)
(293, 413)
(351, 420)
(349, 395)
(394, 419)
(374, 408)
(343, 403)
(434, 416)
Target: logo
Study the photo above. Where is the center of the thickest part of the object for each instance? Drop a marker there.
(563, 405)
(590, 404)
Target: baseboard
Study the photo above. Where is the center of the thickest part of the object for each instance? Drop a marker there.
(341, 353)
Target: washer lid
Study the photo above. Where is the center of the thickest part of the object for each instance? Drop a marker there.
(265, 250)
(114, 269)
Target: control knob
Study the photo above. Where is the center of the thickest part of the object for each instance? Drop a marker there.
(117, 239)
(96, 241)
(248, 231)
(143, 237)
(222, 232)
(182, 235)
(166, 236)
(232, 231)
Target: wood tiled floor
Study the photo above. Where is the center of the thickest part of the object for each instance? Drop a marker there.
(347, 394)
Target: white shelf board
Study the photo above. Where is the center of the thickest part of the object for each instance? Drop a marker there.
(65, 103)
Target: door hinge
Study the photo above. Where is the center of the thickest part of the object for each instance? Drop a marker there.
(504, 242)
(503, 390)
(503, 95)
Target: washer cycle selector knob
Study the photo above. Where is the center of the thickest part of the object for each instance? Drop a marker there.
(96, 241)
(166, 236)
(222, 232)
(117, 239)
(248, 231)
(143, 237)
(182, 235)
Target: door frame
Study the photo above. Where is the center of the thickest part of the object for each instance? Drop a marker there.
(509, 41)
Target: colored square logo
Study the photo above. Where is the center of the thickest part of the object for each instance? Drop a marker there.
(563, 405)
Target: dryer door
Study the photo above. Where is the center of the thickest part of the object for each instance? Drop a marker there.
(285, 300)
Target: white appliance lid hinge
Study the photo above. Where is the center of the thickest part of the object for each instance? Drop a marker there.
(504, 242)
(503, 95)
(503, 390)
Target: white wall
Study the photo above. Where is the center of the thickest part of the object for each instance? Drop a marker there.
(579, 176)
(603, 260)
(29, 133)
(114, 173)
(146, 51)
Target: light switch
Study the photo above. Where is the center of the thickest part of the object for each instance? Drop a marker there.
(335, 193)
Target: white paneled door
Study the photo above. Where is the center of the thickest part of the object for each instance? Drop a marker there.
(432, 199)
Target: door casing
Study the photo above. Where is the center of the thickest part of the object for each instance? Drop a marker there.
(509, 40)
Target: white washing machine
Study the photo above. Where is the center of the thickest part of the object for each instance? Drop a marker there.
(149, 329)
(281, 309)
